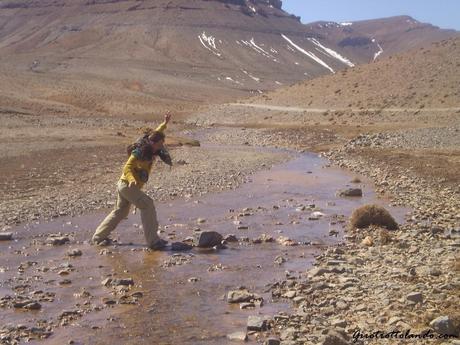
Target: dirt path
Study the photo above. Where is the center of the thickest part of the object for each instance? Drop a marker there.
(355, 110)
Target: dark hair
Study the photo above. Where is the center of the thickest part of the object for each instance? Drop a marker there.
(142, 148)
(156, 136)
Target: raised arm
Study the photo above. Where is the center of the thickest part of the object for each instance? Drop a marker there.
(164, 124)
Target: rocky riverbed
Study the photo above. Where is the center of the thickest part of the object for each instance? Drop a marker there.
(375, 280)
(402, 280)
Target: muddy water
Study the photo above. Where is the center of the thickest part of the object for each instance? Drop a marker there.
(174, 310)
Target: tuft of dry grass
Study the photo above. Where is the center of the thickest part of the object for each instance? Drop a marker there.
(367, 215)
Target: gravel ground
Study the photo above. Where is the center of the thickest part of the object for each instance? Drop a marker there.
(407, 279)
(299, 139)
(421, 138)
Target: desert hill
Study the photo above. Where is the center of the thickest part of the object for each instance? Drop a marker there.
(129, 57)
(425, 77)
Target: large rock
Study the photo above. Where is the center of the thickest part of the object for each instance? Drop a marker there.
(350, 192)
(256, 323)
(445, 325)
(209, 239)
(6, 236)
(416, 297)
(239, 296)
(57, 240)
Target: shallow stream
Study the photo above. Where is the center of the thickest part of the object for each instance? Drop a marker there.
(174, 310)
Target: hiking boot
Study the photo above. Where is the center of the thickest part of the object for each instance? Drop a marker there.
(104, 242)
(160, 244)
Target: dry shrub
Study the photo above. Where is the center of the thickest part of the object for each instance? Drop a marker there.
(372, 215)
(356, 180)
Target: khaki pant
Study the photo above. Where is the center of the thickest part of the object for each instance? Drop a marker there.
(126, 197)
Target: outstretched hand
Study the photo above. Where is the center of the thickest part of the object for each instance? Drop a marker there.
(167, 116)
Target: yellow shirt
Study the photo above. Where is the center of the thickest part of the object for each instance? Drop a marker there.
(135, 167)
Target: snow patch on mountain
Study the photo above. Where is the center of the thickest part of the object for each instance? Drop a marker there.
(251, 76)
(376, 55)
(309, 54)
(233, 81)
(209, 42)
(332, 53)
(258, 48)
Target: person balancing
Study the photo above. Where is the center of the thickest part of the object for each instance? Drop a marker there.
(135, 174)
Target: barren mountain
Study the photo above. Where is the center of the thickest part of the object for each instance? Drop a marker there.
(381, 37)
(114, 57)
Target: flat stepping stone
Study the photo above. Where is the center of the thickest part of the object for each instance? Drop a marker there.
(180, 247)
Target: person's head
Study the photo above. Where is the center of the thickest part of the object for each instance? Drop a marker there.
(157, 140)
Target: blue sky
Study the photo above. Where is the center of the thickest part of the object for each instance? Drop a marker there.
(442, 13)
